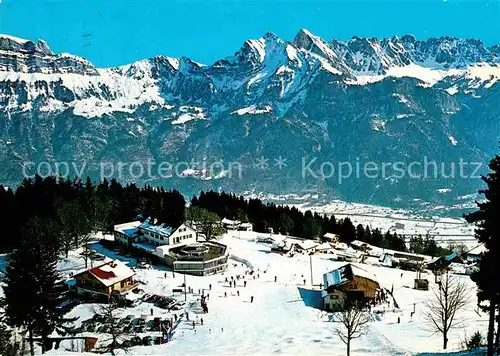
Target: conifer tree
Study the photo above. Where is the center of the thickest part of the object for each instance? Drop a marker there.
(8, 345)
(488, 232)
(32, 291)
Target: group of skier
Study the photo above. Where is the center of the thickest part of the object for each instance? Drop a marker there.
(232, 284)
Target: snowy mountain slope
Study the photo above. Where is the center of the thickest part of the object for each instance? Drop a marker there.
(265, 66)
(394, 99)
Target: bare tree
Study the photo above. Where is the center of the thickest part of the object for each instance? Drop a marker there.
(206, 221)
(111, 343)
(459, 248)
(440, 312)
(352, 325)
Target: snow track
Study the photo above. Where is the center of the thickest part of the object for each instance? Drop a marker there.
(379, 340)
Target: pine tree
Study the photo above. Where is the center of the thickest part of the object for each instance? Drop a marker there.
(488, 232)
(32, 291)
(360, 233)
(348, 231)
(8, 345)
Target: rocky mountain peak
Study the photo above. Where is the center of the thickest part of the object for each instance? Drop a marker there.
(24, 56)
(19, 45)
(307, 97)
(306, 40)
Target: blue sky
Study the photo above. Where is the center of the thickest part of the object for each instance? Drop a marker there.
(112, 32)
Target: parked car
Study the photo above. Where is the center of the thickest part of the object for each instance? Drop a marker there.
(178, 305)
(136, 341)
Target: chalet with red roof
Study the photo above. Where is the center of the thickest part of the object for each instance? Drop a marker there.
(114, 276)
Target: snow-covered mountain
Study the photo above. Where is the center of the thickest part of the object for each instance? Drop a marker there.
(380, 99)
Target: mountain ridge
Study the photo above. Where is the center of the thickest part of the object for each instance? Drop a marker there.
(363, 98)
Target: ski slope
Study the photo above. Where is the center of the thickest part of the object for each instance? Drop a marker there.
(278, 321)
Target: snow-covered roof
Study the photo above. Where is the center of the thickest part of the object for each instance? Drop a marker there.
(433, 260)
(111, 272)
(358, 243)
(304, 244)
(126, 226)
(161, 229)
(361, 272)
(341, 246)
(329, 235)
(246, 224)
(477, 250)
(398, 254)
(230, 222)
(307, 244)
(324, 246)
(348, 252)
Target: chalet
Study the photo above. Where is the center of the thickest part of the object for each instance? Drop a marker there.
(347, 254)
(112, 276)
(289, 244)
(265, 239)
(305, 246)
(329, 237)
(230, 224)
(441, 263)
(350, 282)
(407, 261)
(283, 246)
(325, 247)
(360, 245)
(341, 246)
(474, 255)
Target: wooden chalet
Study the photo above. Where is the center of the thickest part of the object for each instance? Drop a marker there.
(354, 283)
(113, 276)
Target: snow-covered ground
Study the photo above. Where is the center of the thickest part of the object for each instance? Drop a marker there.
(403, 222)
(278, 321)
